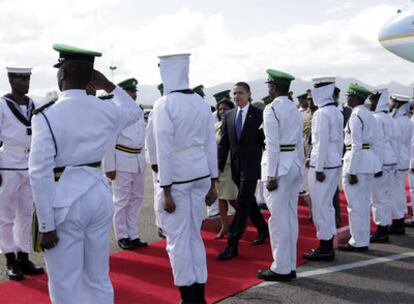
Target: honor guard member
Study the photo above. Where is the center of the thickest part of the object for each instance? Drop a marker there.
(151, 157)
(360, 165)
(283, 128)
(72, 196)
(125, 166)
(187, 170)
(219, 96)
(325, 166)
(386, 148)
(16, 200)
(404, 131)
(200, 91)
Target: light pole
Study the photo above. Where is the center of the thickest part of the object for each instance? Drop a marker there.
(112, 67)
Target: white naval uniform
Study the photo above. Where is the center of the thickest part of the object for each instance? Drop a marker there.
(326, 157)
(214, 209)
(404, 131)
(283, 125)
(187, 160)
(364, 163)
(128, 185)
(410, 173)
(151, 157)
(16, 200)
(386, 148)
(79, 206)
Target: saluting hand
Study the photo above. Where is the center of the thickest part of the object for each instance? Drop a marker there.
(48, 240)
(100, 82)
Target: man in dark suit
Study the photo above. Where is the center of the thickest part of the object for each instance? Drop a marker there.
(243, 137)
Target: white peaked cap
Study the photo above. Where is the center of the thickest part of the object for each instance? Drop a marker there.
(174, 70)
(319, 80)
(19, 71)
(401, 98)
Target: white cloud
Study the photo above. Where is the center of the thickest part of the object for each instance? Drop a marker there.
(343, 47)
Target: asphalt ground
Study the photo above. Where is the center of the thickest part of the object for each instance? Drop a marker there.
(384, 274)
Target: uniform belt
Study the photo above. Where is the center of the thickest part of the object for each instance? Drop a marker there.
(59, 170)
(128, 150)
(364, 147)
(287, 148)
(16, 149)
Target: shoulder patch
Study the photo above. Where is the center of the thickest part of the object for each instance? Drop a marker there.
(40, 109)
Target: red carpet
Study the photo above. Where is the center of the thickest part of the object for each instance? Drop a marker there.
(144, 276)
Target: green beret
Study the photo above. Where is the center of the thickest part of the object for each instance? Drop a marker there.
(302, 96)
(357, 90)
(71, 53)
(223, 94)
(279, 77)
(199, 90)
(160, 88)
(129, 84)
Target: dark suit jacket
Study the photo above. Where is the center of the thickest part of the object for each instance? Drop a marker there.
(246, 155)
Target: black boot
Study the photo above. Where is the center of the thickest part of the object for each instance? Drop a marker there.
(397, 227)
(199, 293)
(381, 235)
(27, 266)
(187, 294)
(13, 270)
(324, 252)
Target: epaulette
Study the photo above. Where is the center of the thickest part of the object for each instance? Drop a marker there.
(106, 97)
(45, 106)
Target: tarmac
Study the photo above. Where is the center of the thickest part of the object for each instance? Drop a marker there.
(383, 275)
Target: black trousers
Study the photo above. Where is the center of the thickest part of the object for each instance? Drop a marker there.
(246, 208)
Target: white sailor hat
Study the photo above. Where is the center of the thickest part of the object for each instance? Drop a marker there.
(401, 98)
(13, 71)
(379, 91)
(319, 80)
(174, 57)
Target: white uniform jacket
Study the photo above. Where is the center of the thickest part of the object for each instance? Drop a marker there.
(84, 128)
(404, 129)
(132, 137)
(151, 150)
(14, 153)
(327, 138)
(412, 146)
(386, 148)
(360, 138)
(282, 114)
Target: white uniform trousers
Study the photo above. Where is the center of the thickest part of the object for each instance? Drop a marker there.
(358, 197)
(182, 228)
(16, 211)
(283, 222)
(399, 195)
(323, 211)
(78, 267)
(128, 192)
(411, 177)
(381, 199)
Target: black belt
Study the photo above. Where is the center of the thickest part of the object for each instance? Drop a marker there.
(364, 147)
(128, 150)
(287, 148)
(59, 170)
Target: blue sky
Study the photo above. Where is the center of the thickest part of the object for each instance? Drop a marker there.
(230, 40)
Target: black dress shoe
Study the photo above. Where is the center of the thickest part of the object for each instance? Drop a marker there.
(320, 254)
(125, 244)
(351, 248)
(13, 270)
(228, 253)
(27, 266)
(293, 274)
(261, 238)
(138, 243)
(269, 275)
(397, 227)
(380, 236)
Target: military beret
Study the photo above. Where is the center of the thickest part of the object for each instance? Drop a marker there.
(199, 90)
(129, 84)
(223, 94)
(279, 77)
(357, 90)
(75, 54)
